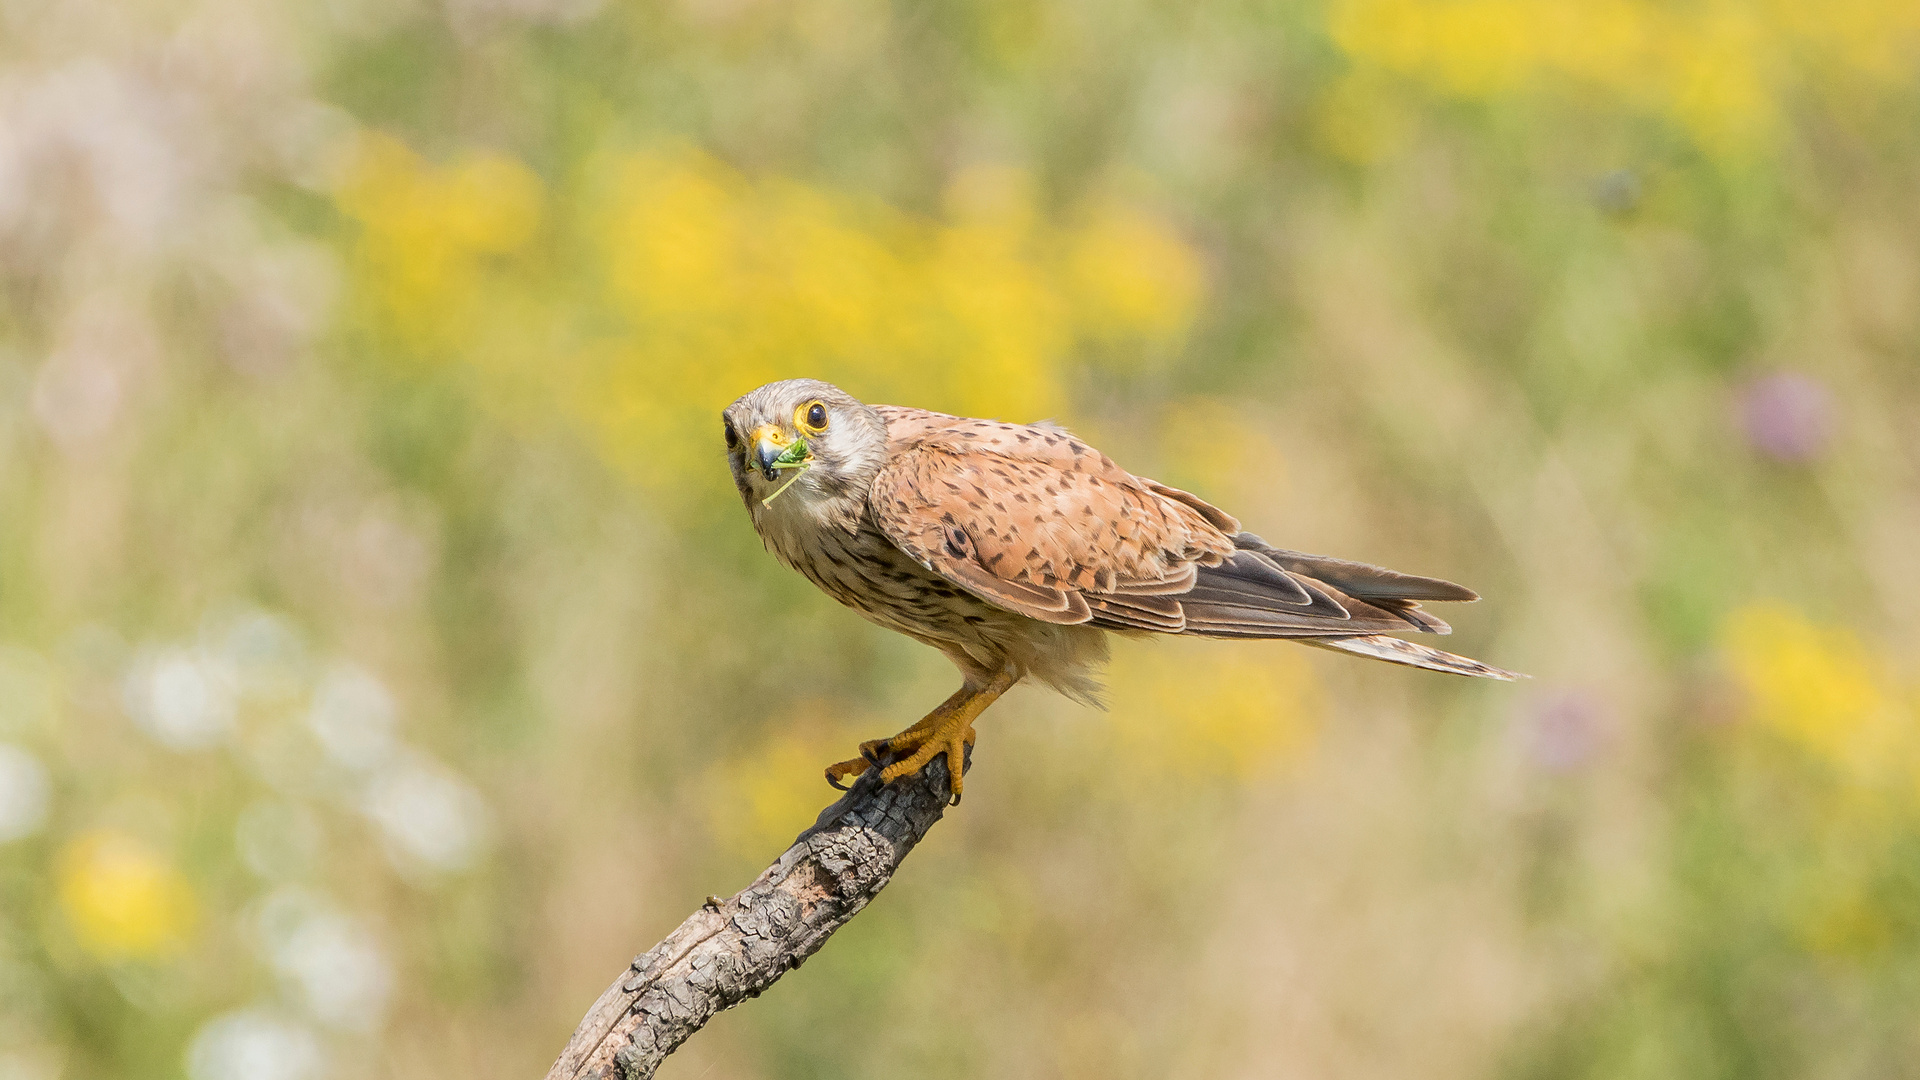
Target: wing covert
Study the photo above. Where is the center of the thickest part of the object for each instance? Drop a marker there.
(1031, 519)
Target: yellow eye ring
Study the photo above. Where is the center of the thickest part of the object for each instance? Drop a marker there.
(811, 418)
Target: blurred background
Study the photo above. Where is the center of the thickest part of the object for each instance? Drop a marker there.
(385, 658)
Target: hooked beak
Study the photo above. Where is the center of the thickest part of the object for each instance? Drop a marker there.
(768, 442)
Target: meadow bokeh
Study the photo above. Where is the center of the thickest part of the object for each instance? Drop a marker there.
(385, 658)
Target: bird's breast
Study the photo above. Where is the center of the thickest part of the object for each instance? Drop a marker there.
(863, 569)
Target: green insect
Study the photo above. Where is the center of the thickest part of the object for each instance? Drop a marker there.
(796, 456)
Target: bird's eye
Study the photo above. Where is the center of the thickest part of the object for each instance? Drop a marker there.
(812, 417)
(733, 437)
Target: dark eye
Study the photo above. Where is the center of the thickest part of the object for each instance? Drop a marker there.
(733, 437)
(811, 418)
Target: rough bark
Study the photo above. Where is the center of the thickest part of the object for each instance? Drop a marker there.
(731, 950)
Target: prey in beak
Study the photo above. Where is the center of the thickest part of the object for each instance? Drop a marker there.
(774, 449)
(774, 452)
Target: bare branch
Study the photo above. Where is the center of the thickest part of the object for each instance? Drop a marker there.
(731, 950)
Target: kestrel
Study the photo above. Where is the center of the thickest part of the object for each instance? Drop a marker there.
(1015, 548)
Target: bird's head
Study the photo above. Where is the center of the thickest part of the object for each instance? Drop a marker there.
(801, 442)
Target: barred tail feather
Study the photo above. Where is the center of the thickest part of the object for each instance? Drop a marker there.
(1398, 651)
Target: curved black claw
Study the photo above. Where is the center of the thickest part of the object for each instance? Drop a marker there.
(835, 784)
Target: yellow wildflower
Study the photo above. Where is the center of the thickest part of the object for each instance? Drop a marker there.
(1131, 275)
(1723, 70)
(705, 283)
(122, 899)
(1817, 686)
(762, 800)
(427, 232)
(1213, 447)
(1213, 711)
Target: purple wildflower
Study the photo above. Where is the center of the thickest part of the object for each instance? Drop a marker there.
(1788, 416)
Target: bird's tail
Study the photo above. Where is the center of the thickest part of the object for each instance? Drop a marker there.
(1398, 651)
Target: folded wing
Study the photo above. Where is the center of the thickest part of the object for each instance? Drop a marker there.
(1033, 520)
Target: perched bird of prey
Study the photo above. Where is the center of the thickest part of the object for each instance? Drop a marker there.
(1015, 548)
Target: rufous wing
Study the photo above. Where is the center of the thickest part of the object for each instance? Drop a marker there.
(1031, 519)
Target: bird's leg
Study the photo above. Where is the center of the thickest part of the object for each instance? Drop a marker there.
(951, 735)
(871, 750)
(947, 729)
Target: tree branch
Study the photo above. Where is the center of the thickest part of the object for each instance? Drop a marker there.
(731, 950)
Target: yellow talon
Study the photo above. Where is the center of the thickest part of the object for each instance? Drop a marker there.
(843, 769)
(947, 730)
(951, 737)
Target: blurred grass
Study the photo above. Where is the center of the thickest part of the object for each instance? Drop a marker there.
(384, 658)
